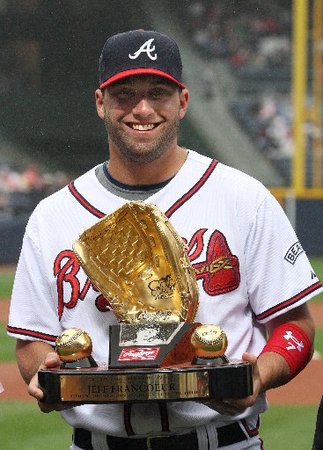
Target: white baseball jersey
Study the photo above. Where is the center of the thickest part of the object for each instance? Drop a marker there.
(249, 265)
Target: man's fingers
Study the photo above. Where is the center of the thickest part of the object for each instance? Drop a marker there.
(232, 406)
(249, 357)
(34, 389)
(51, 361)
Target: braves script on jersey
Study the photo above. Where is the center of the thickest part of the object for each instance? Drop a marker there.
(237, 238)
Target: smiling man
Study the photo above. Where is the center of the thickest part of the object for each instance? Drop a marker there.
(142, 115)
(142, 100)
(239, 242)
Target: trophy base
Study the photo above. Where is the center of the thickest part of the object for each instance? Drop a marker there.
(80, 363)
(100, 385)
(198, 360)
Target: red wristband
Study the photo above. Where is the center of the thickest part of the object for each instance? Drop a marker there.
(292, 343)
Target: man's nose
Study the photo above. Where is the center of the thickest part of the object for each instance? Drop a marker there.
(143, 107)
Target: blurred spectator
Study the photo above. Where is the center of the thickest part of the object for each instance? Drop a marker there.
(21, 190)
(32, 178)
(24, 57)
(208, 80)
(268, 121)
(275, 116)
(196, 9)
(20, 48)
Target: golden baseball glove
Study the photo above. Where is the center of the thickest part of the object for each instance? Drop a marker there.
(137, 260)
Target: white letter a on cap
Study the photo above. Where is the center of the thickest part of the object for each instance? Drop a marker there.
(145, 48)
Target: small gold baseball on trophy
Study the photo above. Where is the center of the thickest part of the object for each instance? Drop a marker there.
(210, 343)
(74, 347)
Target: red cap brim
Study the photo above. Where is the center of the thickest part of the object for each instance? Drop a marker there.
(140, 71)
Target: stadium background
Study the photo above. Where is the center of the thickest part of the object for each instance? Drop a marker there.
(255, 72)
(254, 69)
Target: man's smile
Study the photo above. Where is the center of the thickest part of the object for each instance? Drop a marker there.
(142, 126)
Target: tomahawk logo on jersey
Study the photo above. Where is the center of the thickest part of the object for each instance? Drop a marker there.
(219, 271)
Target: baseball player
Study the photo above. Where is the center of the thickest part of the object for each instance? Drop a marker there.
(318, 435)
(253, 276)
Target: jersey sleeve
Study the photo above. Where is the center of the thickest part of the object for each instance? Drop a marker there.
(280, 276)
(33, 313)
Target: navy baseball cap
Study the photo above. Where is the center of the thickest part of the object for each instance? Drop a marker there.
(140, 52)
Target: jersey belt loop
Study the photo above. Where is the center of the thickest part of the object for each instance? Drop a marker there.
(99, 441)
(202, 438)
(212, 435)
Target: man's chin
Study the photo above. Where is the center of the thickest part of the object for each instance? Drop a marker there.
(142, 156)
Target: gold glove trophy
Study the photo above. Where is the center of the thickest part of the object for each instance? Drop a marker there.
(156, 352)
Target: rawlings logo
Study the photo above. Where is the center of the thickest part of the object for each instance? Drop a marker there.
(148, 48)
(139, 354)
(219, 273)
(163, 288)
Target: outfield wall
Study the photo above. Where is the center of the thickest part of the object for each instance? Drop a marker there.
(11, 234)
(309, 225)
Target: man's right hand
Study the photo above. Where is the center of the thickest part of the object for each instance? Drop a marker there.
(51, 361)
(31, 357)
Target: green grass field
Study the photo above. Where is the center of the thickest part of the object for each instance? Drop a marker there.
(28, 429)
(6, 280)
(25, 428)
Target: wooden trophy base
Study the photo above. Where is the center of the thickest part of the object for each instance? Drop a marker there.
(98, 385)
(149, 371)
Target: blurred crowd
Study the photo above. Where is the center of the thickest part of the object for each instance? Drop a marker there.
(22, 188)
(249, 33)
(268, 120)
(254, 38)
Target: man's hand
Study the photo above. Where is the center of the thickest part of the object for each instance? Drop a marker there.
(32, 356)
(236, 406)
(51, 361)
(270, 369)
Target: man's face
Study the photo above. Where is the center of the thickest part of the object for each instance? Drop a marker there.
(142, 115)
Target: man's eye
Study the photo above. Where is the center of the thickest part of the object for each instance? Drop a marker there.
(125, 94)
(157, 93)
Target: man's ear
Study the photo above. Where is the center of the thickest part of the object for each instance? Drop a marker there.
(184, 101)
(99, 103)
